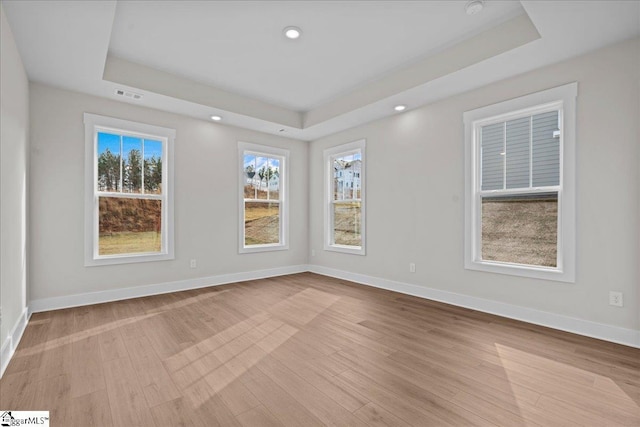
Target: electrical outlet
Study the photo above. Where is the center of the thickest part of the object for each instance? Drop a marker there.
(193, 263)
(615, 298)
(313, 252)
(412, 267)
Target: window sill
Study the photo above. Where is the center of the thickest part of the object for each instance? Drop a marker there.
(354, 250)
(126, 259)
(263, 248)
(530, 271)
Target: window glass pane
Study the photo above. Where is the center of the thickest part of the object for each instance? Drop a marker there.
(347, 171)
(262, 175)
(546, 149)
(492, 148)
(521, 229)
(250, 177)
(517, 152)
(152, 166)
(346, 223)
(108, 162)
(129, 225)
(261, 223)
(273, 174)
(132, 164)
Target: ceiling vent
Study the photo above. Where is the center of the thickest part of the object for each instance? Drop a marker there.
(127, 94)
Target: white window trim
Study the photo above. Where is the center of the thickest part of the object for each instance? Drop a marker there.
(244, 147)
(565, 96)
(91, 232)
(344, 149)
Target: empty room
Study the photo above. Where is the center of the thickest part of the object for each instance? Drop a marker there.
(320, 213)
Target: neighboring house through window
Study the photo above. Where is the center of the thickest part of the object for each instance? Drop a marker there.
(520, 186)
(128, 191)
(345, 198)
(263, 198)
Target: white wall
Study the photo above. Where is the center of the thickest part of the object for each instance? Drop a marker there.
(14, 146)
(206, 198)
(415, 193)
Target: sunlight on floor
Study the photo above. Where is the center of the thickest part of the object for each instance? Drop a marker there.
(209, 366)
(79, 336)
(565, 390)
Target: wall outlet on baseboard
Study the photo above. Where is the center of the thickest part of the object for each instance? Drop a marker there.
(412, 267)
(193, 263)
(615, 298)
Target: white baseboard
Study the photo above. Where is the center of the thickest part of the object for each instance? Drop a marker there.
(67, 301)
(9, 345)
(629, 337)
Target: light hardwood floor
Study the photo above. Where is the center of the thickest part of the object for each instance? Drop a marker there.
(308, 350)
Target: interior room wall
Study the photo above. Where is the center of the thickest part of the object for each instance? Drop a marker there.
(206, 198)
(14, 147)
(415, 193)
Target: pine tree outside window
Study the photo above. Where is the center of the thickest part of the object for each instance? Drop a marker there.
(129, 206)
(264, 204)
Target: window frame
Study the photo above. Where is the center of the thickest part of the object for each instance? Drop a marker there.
(329, 154)
(96, 123)
(562, 98)
(283, 193)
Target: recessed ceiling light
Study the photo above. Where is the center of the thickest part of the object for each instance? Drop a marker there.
(400, 107)
(292, 32)
(216, 118)
(474, 6)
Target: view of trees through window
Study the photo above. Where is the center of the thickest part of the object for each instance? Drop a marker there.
(262, 194)
(347, 199)
(129, 166)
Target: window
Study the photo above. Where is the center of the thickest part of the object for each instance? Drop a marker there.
(520, 186)
(128, 191)
(345, 198)
(263, 198)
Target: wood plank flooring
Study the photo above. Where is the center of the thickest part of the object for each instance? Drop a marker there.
(308, 350)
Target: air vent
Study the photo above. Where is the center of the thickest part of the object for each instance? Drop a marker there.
(127, 94)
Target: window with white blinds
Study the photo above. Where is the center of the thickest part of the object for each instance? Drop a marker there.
(520, 211)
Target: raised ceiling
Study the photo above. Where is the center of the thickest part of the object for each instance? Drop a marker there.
(240, 47)
(354, 61)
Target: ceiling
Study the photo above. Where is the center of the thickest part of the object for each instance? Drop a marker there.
(354, 61)
(241, 48)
